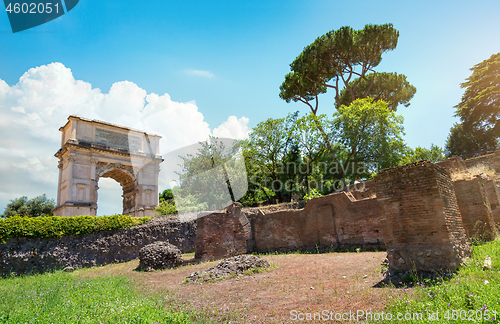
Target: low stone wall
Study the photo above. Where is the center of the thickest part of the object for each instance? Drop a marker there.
(34, 255)
(330, 221)
(475, 208)
(422, 223)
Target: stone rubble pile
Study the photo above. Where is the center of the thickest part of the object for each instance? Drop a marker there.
(237, 265)
(159, 256)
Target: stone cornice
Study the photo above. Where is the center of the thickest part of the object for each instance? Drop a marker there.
(99, 122)
(104, 148)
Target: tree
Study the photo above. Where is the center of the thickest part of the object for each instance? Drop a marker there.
(265, 151)
(371, 135)
(38, 206)
(393, 88)
(479, 109)
(344, 60)
(466, 141)
(213, 174)
(310, 143)
(434, 154)
(166, 195)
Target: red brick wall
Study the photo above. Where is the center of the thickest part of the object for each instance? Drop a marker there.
(222, 235)
(493, 194)
(491, 160)
(328, 221)
(453, 163)
(475, 208)
(422, 223)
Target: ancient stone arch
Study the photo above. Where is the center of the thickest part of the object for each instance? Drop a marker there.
(92, 149)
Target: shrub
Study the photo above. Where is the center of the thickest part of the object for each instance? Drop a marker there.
(38, 206)
(58, 226)
(166, 207)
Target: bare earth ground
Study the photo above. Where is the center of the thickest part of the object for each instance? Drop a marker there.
(307, 283)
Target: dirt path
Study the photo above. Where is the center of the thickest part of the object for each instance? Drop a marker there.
(298, 283)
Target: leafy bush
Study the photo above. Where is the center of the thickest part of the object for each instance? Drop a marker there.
(312, 193)
(166, 208)
(58, 226)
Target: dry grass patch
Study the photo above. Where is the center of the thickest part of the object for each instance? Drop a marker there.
(339, 282)
(472, 172)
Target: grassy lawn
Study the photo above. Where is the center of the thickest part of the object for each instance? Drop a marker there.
(64, 298)
(473, 294)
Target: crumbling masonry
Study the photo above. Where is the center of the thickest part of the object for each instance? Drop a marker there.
(415, 211)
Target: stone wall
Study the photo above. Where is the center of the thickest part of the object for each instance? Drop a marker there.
(34, 255)
(362, 190)
(422, 223)
(492, 160)
(493, 194)
(330, 221)
(223, 234)
(475, 208)
(454, 163)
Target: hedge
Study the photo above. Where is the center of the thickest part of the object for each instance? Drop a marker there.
(58, 226)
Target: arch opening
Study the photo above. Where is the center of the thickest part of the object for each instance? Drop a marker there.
(128, 185)
(109, 200)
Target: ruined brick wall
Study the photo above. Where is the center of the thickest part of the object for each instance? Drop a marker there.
(362, 190)
(453, 163)
(422, 223)
(223, 234)
(475, 208)
(493, 194)
(328, 221)
(491, 160)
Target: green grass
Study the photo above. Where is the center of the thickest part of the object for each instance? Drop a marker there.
(472, 294)
(64, 298)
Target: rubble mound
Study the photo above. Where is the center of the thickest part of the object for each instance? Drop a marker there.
(236, 265)
(159, 256)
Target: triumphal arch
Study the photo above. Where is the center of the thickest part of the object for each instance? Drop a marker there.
(92, 149)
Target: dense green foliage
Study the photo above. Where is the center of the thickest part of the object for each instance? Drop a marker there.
(64, 298)
(467, 141)
(38, 206)
(434, 154)
(372, 137)
(480, 104)
(58, 226)
(288, 156)
(479, 112)
(474, 291)
(166, 207)
(166, 195)
(334, 58)
(393, 88)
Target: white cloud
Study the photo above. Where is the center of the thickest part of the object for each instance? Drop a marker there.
(32, 111)
(233, 128)
(201, 73)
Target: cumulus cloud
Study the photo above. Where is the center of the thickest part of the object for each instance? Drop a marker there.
(233, 128)
(201, 73)
(32, 111)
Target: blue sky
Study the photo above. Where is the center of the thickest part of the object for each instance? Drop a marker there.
(226, 58)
